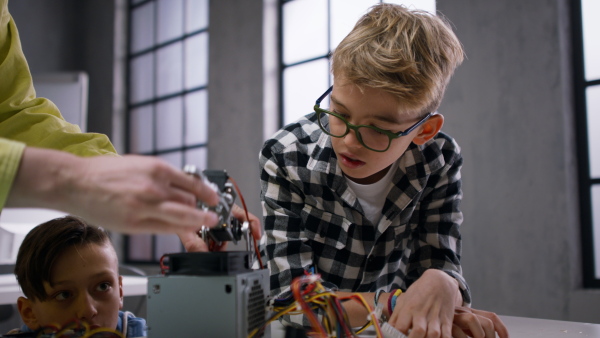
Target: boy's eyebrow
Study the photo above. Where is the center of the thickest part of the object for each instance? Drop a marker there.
(96, 275)
(382, 118)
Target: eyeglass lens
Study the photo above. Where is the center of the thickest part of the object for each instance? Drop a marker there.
(371, 138)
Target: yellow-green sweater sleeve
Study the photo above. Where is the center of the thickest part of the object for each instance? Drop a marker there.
(10, 157)
(35, 121)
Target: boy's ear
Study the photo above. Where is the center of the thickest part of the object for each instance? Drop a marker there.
(429, 129)
(27, 315)
(121, 292)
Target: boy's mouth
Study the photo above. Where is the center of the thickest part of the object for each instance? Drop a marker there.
(350, 162)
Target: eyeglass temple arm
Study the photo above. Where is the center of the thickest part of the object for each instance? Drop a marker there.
(416, 125)
(323, 96)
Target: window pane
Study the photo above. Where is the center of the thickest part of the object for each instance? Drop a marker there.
(593, 120)
(596, 227)
(196, 156)
(141, 82)
(140, 247)
(170, 23)
(196, 61)
(175, 159)
(196, 15)
(302, 86)
(169, 124)
(142, 27)
(304, 30)
(196, 118)
(170, 71)
(344, 15)
(591, 43)
(167, 244)
(141, 132)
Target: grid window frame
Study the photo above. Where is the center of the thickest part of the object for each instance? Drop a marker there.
(587, 183)
(167, 97)
(307, 101)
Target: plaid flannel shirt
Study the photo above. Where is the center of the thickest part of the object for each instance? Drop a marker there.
(314, 220)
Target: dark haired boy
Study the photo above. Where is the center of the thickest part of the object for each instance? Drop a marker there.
(68, 271)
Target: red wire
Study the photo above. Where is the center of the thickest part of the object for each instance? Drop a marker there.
(296, 291)
(248, 218)
(163, 267)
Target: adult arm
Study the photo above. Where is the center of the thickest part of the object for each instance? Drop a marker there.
(130, 194)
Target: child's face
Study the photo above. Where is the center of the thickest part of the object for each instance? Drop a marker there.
(85, 285)
(370, 107)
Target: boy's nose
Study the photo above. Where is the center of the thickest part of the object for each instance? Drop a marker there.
(86, 308)
(351, 140)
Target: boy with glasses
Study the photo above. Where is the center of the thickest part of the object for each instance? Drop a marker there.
(366, 192)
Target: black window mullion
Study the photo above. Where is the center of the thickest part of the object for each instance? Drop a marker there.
(586, 182)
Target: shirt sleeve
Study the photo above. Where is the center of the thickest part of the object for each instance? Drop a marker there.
(10, 158)
(35, 121)
(284, 242)
(437, 242)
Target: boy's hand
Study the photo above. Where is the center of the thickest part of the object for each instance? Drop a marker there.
(427, 307)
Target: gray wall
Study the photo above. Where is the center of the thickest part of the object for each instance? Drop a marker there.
(509, 106)
(72, 35)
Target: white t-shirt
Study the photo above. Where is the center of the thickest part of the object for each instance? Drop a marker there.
(372, 196)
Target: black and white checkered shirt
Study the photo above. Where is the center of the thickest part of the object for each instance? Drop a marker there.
(314, 220)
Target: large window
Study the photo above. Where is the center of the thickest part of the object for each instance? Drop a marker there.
(587, 99)
(167, 96)
(310, 30)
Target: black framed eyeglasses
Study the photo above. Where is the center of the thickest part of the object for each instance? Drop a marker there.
(371, 137)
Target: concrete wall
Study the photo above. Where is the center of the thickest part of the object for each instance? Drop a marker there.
(72, 35)
(509, 106)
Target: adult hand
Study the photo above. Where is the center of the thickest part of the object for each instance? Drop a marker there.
(192, 242)
(130, 194)
(427, 306)
(470, 322)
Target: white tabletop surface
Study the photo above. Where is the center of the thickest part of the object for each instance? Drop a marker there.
(518, 327)
(10, 290)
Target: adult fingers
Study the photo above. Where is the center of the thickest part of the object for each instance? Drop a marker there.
(469, 322)
(190, 183)
(178, 216)
(192, 242)
(488, 327)
(458, 332)
(499, 326)
(176, 194)
(253, 221)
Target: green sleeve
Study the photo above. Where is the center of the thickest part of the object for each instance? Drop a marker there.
(10, 157)
(35, 121)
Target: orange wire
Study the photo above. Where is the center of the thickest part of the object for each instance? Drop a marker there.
(296, 291)
(248, 218)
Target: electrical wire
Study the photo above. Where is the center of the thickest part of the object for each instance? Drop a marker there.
(309, 297)
(77, 328)
(248, 218)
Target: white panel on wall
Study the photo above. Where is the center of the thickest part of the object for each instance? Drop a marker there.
(68, 91)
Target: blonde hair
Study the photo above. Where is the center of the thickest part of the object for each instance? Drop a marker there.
(410, 54)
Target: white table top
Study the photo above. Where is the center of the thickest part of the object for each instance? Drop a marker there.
(518, 327)
(521, 327)
(10, 290)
